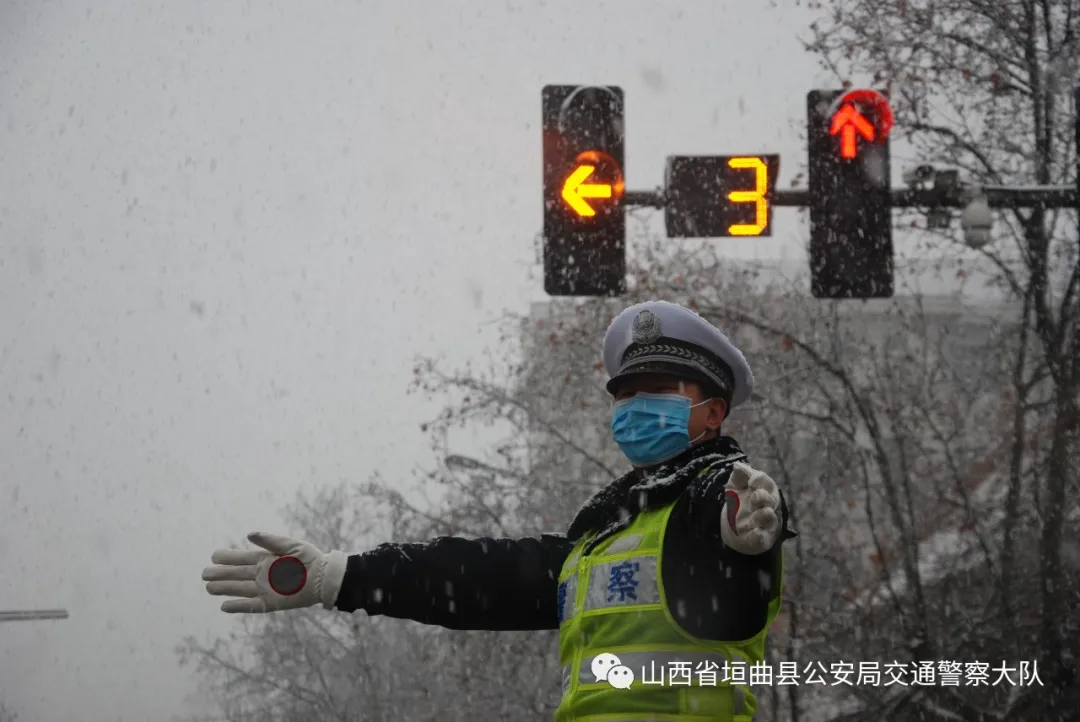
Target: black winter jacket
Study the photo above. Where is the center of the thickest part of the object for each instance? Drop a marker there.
(512, 584)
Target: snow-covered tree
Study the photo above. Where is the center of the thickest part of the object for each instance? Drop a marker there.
(984, 87)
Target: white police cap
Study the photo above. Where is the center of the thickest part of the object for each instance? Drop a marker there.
(663, 337)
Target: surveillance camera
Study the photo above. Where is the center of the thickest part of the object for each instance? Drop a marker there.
(977, 221)
(919, 174)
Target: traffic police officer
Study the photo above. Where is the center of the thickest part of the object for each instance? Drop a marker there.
(665, 583)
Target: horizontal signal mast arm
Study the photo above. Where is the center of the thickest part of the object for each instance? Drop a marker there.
(996, 197)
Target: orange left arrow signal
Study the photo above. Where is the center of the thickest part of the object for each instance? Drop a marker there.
(575, 190)
(847, 122)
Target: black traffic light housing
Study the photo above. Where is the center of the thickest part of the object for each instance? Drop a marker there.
(584, 222)
(851, 249)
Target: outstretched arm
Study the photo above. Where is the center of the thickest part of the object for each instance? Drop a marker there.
(495, 584)
(492, 584)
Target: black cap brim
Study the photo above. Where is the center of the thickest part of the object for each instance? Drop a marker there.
(666, 368)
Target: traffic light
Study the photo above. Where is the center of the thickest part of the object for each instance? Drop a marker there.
(851, 250)
(584, 223)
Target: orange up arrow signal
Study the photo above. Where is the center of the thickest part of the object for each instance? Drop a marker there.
(576, 190)
(847, 122)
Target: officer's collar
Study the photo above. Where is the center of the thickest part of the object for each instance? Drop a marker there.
(663, 484)
(642, 489)
(718, 446)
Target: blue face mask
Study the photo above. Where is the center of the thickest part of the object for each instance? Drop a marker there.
(652, 428)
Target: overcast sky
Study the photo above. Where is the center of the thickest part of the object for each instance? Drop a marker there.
(227, 230)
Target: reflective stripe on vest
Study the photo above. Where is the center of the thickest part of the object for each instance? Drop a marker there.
(618, 583)
(567, 598)
(623, 583)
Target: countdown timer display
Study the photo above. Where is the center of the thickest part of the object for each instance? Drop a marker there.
(720, 196)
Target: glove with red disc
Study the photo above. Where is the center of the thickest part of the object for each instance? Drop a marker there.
(751, 509)
(283, 574)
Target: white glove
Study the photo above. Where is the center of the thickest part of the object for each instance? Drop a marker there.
(751, 507)
(289, 574)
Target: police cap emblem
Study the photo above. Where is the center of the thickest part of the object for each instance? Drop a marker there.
(646, 327)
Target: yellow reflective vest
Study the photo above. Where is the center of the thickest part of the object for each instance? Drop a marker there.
(612, 602)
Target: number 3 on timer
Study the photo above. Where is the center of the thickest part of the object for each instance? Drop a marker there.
(756, 196)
